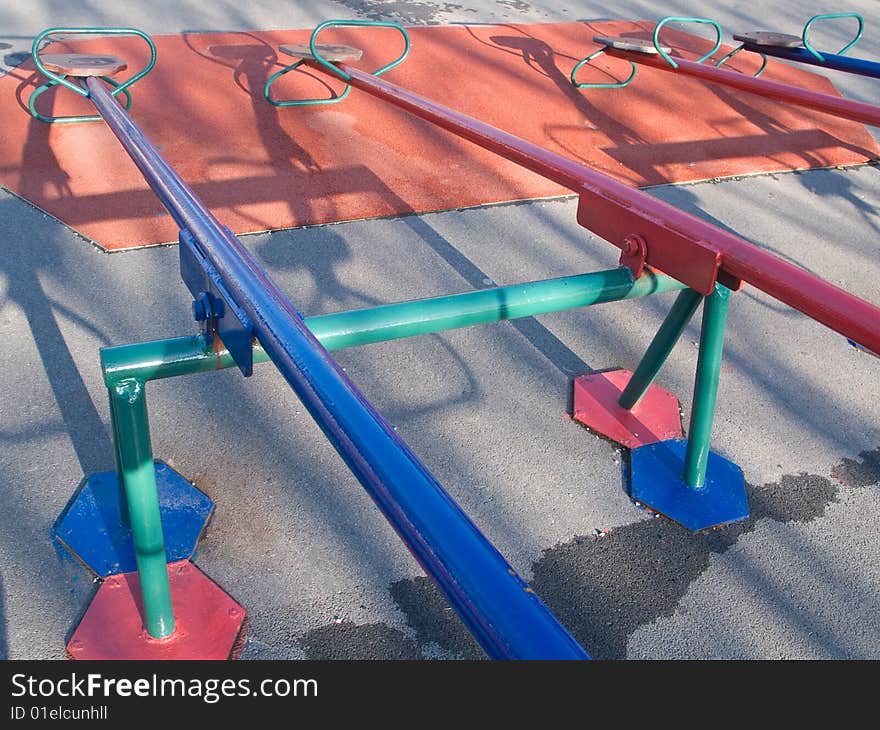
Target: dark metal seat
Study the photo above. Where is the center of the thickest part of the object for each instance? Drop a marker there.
(82, 64)
(332, 53)
(639, 45)
(769, 39)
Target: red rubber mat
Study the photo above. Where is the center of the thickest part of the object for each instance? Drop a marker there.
(259, 167)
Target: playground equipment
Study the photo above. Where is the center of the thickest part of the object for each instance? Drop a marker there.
(236, 303)
(679, 478)
(799, 49)
(652, 53)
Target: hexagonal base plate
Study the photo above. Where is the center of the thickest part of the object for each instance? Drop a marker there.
(656, 480)
(91, 527)
(208, 622)
(657, 417)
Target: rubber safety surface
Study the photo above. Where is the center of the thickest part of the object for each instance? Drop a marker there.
(259, 167)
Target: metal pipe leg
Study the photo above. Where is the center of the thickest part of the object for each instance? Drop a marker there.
(706, 385)
(132, 434)
(669, 333)
(114, 426)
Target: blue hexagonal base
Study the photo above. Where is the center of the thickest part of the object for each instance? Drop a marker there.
(91, 528)
(656, 480)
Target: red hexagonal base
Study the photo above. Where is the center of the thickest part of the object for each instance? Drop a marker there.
(208, 622)
(657, 417)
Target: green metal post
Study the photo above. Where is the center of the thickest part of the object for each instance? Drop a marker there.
(668, 334)
(123, 504)
(706, 385)
(127, 368)
(132, 436)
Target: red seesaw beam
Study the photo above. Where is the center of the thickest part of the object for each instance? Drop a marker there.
(685, 247)
(857, 111)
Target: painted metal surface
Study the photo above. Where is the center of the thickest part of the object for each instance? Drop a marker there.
(799, 48)
(138, 475)
(832, 16)
(210, 624)
(595, 398)
(835, 61)
(706, 385)
(614, 210)
(857, 111)
(93, 529)
(316, 53)
(73, 118)
(662, 51)
(661, 346)
(634, 70)
(185, 355)
(214, 307)
(61, 79)
(425, 316)
(656, 480)
(496, 604)
(695, 261)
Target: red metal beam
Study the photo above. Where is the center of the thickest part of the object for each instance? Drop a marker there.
(682, 245)
(857, 111)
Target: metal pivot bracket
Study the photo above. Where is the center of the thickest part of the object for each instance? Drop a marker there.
(673, 250)
(633, 254)
(214, 307)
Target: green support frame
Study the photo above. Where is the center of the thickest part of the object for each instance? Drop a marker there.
(128, 368)
(708, 370)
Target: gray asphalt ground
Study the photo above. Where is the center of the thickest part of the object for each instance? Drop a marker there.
(294, 537)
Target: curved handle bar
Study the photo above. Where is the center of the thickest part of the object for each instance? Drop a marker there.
(35, 54)
(357, 23)
(830, 16)
(612, 85)
(674, 19)
(724, 59)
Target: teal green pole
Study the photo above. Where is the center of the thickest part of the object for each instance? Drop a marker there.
(393, 321)
(665, 339)
(127, 369)
(120, 484)
(139, 478)
(706, 385)
(185, 355)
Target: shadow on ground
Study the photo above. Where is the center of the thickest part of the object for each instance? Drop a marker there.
(601, 588)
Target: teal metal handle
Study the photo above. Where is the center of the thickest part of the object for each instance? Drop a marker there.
(335, 70)
(358, 23)
(611, 85)
(676, 19)
(35, 54)
(32, 104)
(831, 16)
(724, 59)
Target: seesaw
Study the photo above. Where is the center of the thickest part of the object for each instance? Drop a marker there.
(651, 52)
(245, 318)
(799, 49)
